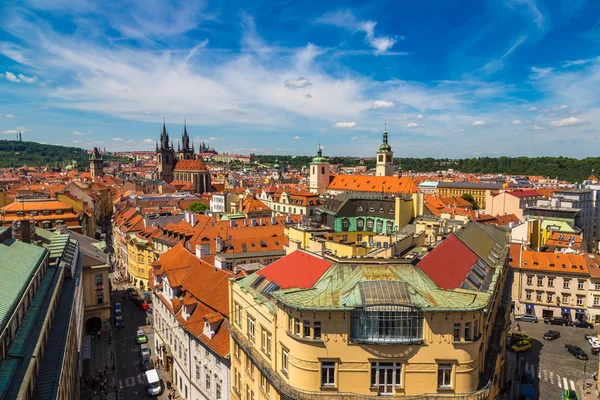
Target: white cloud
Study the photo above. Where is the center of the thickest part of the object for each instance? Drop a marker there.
(118, 139)
(533, 108)
(536, 127)
(420, 116)
(297, 138)
(346, 19)
(383, 104)
(10, 115)
(478, 123)
(411, 125)
(540, 72)
(148, 141)
(77, 133)
(297, 83)
(18, 129)
(345, 125)
(517, 122)
(563, 107)
(27, 79)
(11, 77)
(19, 77)
(568, 122)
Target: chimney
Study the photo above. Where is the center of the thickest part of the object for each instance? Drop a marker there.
(23, 230)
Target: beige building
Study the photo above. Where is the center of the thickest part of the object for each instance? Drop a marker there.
(310, 327)
(512, 202)
(550, 284)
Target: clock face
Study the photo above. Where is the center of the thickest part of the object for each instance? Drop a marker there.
(381, 157)
(388, 158)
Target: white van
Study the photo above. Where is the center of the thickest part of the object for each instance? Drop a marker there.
(152, 382)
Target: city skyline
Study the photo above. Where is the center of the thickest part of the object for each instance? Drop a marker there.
(483, 79)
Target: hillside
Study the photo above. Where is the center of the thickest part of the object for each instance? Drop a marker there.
(16, 154)
(569, 169)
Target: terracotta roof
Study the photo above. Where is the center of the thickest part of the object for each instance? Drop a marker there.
(296, 270)
(549, 262)
(380, 184)
(525, 193)
(47, 205)
(190, 165)
(449, 263)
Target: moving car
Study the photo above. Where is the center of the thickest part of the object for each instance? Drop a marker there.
(583, 324)
(152, 381)
(516, 337)
(551, 335)
(134, 295)
(119, 322)
(557, 321)
(526, 318)
(576, 351)
(141, 337)
(569, 395)
(521, 346)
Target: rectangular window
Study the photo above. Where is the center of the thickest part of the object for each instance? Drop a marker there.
(529, 280)
(237, 314)
(385, 376)
(207, 377)
(596, 301)
(237, 382)
(290, 324)
(297, 327)
(359, 238)
(597, 285)
(251, 329)
(249, 367)
(100, 298)
(538, 296)
(565, 299)
(317, 330)
(285, 358)
(265, 342)
(198, 372)
(580, 285)
(565, 284)
(550, 282)
(236, 350)
(218, 387)
(550, 297)
(306, 329)
(264, 384)
(328, 373)
(580, 301)
(99, 279)
(456, 332)
(540, 281)
(444, 375)
(467, 331)
(528, 295)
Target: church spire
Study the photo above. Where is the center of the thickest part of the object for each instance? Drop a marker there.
(319, 151)
(164, 136)
(185, 138)
(385, 145)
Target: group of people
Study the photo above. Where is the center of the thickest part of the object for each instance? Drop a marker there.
(97, 384)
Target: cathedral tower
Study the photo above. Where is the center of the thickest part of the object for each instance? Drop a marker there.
(166, 156)
(185, 152)
(96, 163)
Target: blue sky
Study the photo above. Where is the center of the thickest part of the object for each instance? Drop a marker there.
(451, 78)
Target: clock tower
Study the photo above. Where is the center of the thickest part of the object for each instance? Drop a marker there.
(385, 157)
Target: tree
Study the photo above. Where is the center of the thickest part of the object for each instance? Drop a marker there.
(469, 197)
(198, 207)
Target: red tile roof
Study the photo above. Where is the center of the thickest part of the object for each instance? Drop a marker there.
(381, 184)
(525, 193)
(190, 165)
(296, 270)
(449, 263)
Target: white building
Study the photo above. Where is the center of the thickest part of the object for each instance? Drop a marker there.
(190, 308)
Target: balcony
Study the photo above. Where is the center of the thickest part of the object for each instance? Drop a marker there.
(288, 392)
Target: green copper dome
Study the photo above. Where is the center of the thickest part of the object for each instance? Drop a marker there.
(319, 159)
(385, 146)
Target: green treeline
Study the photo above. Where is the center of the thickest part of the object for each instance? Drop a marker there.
(563, 168)
(16, 154)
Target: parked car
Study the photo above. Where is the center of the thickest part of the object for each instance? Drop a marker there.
(516, 337)
(557, 321)
(569, 395)
(141, 337)
(153, 386)
(148, 297)
(587, 336)
(576, 351)
(118, 313)
(527, 388)
(134, 295)
(144, 350)
(147, 363)
(526, 318)
(117, 306)
(583, 324)
(551, 335)
(594, 341)
(595, 350)
(119, 322)
(130, 289)
(521, 346)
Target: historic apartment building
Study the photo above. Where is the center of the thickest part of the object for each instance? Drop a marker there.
(309, 327)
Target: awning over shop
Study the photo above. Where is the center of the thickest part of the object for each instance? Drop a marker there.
(579, 311)
(565, 310)
(529, 306)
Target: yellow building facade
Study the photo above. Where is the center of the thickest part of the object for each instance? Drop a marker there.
(309, 327)
(139, 259)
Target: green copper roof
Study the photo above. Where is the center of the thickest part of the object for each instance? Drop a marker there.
(319, 159)
(19, 261)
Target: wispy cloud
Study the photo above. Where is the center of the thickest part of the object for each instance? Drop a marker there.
(77, 133)
(383, 104)
(148, 141)
(517, 122)
(296, 83)
(15, 78)
(347, 20)
(345, 125)
(568, 122)
(478, 123)
(540, 72)
(411, 125)
(118, 139)
(10, 115)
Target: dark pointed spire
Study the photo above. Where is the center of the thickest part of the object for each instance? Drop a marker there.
(385, 146)
(185, 138)
(319, 151)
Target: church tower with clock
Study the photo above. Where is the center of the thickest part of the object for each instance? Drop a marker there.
(385, 157)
